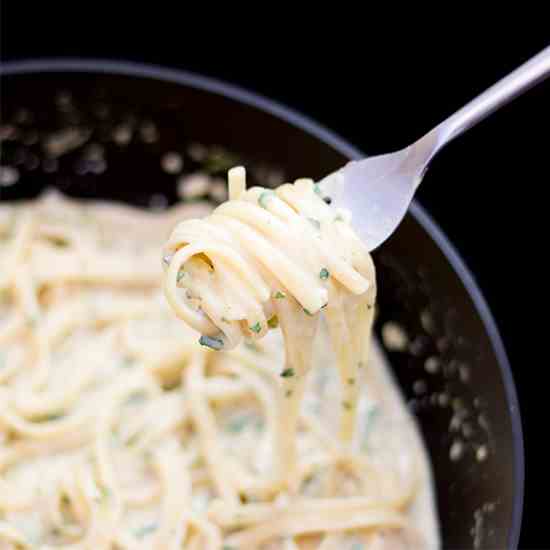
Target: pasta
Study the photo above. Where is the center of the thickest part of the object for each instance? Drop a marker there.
(119, 431)
(265, 258)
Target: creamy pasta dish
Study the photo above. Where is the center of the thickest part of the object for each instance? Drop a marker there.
(230, 402)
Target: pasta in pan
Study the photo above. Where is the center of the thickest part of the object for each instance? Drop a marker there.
(265, 258)
(119, 431)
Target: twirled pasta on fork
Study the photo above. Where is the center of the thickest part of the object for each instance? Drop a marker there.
(118, 430)
(277, 258)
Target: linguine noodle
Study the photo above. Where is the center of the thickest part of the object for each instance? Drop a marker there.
(119, 431)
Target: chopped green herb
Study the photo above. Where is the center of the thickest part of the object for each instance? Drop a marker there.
(279, 295)
(145, 530)
(65, 509)
(132, 440)
(346, 405)
(264, 197)
(288, 393)
(181, 275)
(273, 322)
(315, 223)
(104, 493)
(307, 312)
(316, 189)
(372, 415)
(256, 328)
(127, 363)
(136, 398)
(49, 417)
(251, 345)
(59, 242)
(351, 381)
(210, 342)
(237, 424)
(287, 373)
(324, 274)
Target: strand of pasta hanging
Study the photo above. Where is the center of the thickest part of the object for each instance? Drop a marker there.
(277, 258)
(117, 429)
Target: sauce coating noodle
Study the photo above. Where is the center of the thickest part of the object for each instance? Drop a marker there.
(118, 430)
(277, 257)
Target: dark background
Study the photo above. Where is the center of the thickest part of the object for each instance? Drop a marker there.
(487, 190)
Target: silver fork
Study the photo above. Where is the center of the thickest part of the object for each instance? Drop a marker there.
(378, 190)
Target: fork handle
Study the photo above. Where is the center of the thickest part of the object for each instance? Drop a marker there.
(522, 79)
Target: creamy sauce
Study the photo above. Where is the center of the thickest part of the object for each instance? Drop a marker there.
(118, 430)
(284, 256)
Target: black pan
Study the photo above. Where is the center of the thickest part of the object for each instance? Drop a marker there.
(454, 371)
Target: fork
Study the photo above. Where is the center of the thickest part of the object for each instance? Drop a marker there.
(378, 190)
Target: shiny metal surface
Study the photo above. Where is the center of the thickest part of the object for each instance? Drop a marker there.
(378, 190)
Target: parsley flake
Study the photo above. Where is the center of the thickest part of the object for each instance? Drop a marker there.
(145, 530)
(256, 328)
(265, 197)
(210, 342)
